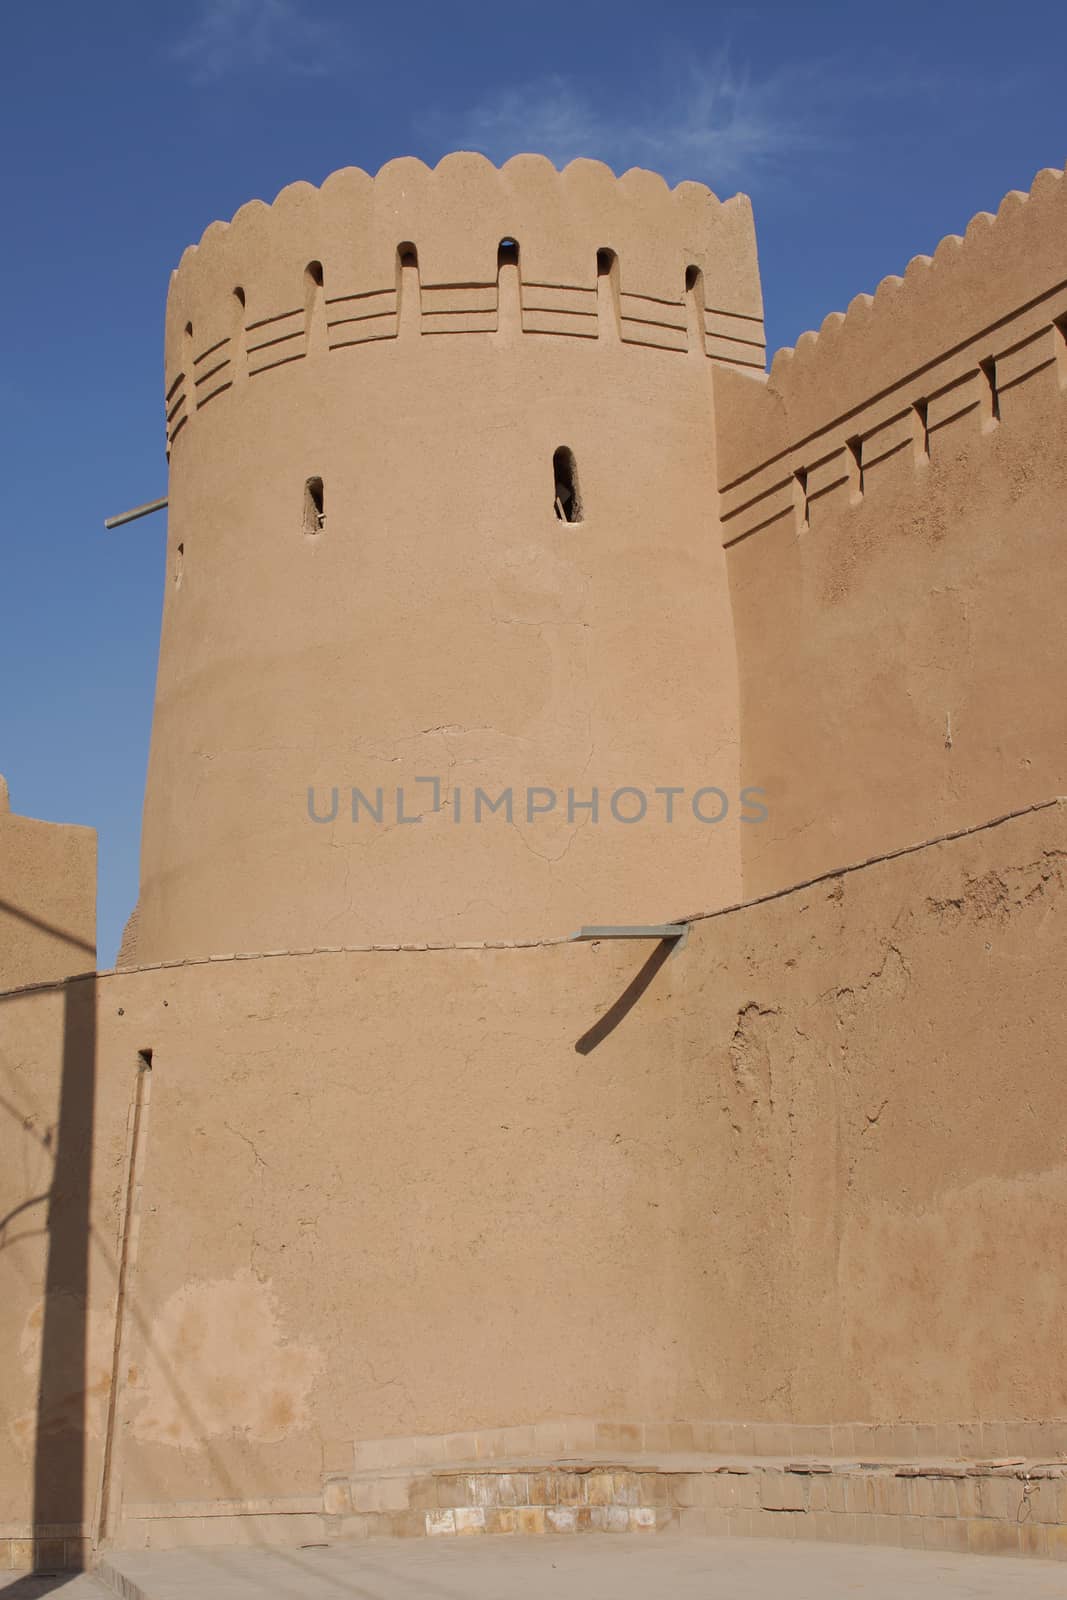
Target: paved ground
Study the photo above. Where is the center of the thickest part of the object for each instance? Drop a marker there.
(20, 1586)
(594, 1567)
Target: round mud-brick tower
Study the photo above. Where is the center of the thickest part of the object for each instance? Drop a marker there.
(444, 532)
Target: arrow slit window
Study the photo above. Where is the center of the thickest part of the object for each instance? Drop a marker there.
(568, 499)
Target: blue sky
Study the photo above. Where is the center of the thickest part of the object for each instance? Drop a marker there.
(864, 134)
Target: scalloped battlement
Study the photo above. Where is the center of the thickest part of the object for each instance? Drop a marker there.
(239, 301)
(964, 293)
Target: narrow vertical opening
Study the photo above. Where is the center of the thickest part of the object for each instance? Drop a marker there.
(314, 308)
(922, 430)
(1060, 325)
(607, 293)
(567, 500)
(694, 309)
(855, 451)
(144, 1060)
(179, 566)
(988, 369)
(800, 478)
(314, 506)
(238, 339)
(408, 289)
(508, 288)
(188, 390)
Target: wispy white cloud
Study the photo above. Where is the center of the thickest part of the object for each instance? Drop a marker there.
(710, 121)
(229, 36)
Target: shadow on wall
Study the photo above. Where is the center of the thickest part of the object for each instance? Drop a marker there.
(63, 1497)
(59, 1465)
(10, 910)
(626, 1001)
(59, 1458)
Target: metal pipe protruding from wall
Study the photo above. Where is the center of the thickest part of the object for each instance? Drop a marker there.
(131, 516)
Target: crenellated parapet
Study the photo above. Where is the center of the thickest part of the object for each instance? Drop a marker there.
(960, 340)
(463, 248)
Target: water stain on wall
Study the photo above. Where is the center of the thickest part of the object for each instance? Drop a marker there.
(218, 1362)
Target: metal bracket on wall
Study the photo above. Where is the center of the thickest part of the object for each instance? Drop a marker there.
(675, 931)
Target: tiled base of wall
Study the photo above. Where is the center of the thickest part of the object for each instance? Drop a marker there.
(985, 1507)
(564, 1478)
(989, 1486)
(60, 1548)
(988, 1507)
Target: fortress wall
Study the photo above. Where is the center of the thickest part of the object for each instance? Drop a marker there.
(47, 898)
(892, 509)
(813, 1174)
(911, 324)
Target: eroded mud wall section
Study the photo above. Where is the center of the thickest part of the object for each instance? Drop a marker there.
(813, 1173)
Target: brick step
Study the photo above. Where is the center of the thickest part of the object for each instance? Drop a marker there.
(1015, 1506)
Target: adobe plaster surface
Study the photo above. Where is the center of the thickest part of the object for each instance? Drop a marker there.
(47, 898)
(892, 514)
(777, 1189)
(444, 624)
(268, 1217)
